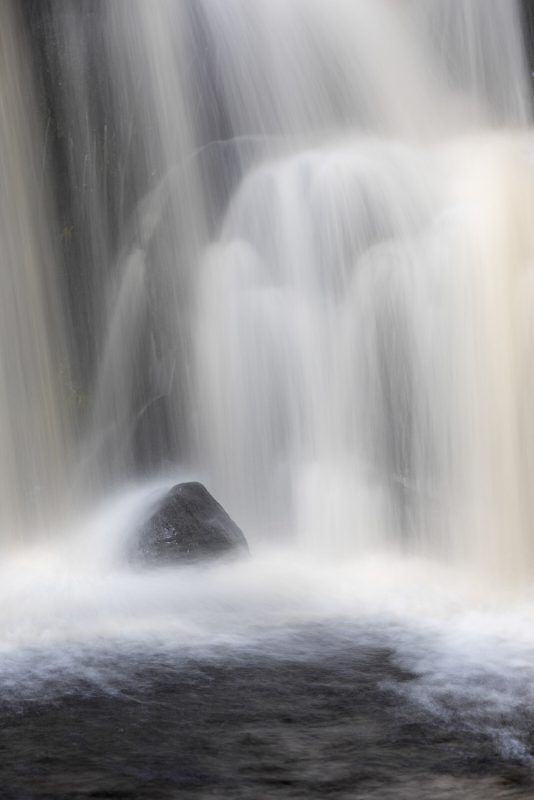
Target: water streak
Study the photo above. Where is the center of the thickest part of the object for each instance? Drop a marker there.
(296, 256)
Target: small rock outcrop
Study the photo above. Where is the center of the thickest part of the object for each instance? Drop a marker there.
(189, 526)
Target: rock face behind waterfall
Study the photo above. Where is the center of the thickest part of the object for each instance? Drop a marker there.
(189, 526)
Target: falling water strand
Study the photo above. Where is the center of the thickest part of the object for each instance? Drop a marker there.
(301, 265)
(33, 358)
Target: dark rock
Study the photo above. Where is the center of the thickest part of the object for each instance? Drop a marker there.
(189, 525)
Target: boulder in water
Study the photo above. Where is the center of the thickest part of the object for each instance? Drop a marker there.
(189, 526)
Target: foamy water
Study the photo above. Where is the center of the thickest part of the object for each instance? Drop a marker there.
(72, 618)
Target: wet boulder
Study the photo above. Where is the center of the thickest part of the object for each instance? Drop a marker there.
(189, 526)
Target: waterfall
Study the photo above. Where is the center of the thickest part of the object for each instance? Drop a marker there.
(34, 369)
(286, 244)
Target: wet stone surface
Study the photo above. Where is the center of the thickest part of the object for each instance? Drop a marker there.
(189, 526)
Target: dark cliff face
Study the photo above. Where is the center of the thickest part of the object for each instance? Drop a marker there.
(99, 166)
(88, 124)
(527, 7)
(73, 146)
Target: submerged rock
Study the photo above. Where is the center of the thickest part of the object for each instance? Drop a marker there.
(189, 525)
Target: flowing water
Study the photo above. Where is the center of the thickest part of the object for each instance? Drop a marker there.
(286, 246)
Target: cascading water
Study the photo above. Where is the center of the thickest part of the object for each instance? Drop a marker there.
(33, 419)
(359, 334)
(303, 248)
(286, 246)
